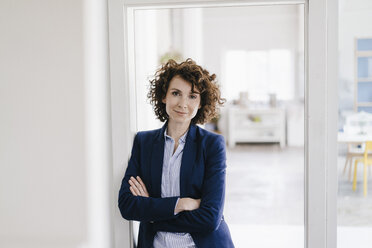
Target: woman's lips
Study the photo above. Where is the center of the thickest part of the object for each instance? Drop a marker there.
(180, 113)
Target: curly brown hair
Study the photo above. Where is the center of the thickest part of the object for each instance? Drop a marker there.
(198, 77)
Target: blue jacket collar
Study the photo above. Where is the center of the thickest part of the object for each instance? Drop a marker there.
(191, 135)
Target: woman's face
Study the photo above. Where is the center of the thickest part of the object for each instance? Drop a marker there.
(181, 104)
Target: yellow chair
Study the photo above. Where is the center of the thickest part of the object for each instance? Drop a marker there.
(366, 162)
(353, 150)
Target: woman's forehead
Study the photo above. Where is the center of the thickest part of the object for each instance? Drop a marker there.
(181, 84)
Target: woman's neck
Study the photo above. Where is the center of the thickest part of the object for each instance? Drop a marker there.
(176, 130)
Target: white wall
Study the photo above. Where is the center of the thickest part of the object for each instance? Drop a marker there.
(355, 18)
(42, 165)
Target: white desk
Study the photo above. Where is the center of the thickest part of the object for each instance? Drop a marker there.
(353, 138)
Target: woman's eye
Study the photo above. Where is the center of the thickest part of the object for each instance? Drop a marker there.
(175, 93)
(193, 96)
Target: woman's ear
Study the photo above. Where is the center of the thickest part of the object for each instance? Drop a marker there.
(163, 100)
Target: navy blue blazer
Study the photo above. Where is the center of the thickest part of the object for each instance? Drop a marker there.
(202, 176)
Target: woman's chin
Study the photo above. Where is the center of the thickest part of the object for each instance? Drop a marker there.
(180, 120)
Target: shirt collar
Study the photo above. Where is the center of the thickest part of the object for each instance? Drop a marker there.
(182, 138)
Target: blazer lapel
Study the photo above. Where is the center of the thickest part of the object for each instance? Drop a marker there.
(188, 159)
(157, 156)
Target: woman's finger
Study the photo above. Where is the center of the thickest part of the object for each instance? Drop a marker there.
(134, 187)
(146, 194)
(139, 187)
(141, 182)
(132, 190)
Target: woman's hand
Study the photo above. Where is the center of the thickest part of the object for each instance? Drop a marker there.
(137, 187)
(187, 204)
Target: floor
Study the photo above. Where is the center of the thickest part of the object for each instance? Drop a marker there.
(353, 208)
(265, 185)
(265, 198)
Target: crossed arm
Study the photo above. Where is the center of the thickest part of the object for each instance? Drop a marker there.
(138, 188)
(194, 215)
(136, 204)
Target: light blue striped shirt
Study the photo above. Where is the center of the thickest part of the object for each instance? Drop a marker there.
(170, 186)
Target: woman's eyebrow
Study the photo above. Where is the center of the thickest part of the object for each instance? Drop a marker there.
(191, 92)
(175, 89)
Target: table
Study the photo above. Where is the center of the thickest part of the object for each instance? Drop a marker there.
(353, 138)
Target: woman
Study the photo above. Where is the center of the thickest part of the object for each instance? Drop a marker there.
(175, 180)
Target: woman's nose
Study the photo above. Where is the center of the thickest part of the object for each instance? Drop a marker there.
(183, 102)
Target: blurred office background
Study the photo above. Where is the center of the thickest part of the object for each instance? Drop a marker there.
(258, 56)
(354, 214)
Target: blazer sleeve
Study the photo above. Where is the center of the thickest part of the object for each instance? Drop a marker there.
(137, 207)
(208, 216)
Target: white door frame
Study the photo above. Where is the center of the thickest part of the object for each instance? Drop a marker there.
(320, 106)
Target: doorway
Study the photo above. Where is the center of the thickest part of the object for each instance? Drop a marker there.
(319, 103)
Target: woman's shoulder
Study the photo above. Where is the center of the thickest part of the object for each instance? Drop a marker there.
(212, 144)
(209, 136)
(148, 134)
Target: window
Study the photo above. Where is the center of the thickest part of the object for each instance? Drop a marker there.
(260, 73)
